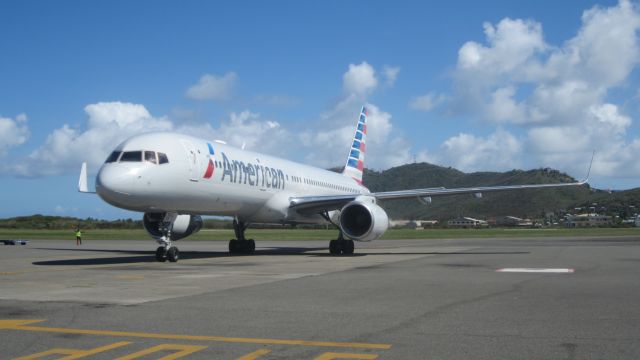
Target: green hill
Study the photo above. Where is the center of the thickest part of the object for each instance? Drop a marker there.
(521, 203)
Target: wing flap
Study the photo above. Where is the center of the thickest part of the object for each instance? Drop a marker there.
(405, 194)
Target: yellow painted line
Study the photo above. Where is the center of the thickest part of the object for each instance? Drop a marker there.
(23, 325)
(74, 353)
(10, 272)
(331, 356)
(184, 350)
(254, 355)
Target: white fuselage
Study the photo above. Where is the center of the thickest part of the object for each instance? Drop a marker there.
(206, 177)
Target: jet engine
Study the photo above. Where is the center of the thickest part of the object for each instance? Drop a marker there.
(363, 220)
(183, 225)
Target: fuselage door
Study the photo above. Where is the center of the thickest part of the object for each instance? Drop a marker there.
(192, 159)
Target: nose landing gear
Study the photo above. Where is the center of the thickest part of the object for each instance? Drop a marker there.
(166, 251)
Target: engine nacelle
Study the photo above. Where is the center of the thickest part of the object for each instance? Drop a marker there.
(363, 220)
(183, 225)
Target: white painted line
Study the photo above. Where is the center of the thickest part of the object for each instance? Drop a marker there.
(537, 270)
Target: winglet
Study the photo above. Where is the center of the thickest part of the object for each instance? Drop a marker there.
(82, 181)
(586, 179)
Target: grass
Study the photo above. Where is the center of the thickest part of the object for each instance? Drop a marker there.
(304, 234)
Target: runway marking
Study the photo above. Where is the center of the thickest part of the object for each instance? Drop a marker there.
(537, 270)
(184, 350)
(10, 272)
(24, 325)
(332, 355)
(254, 355)
(74, 353)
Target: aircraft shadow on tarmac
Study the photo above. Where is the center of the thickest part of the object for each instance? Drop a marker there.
(148, 256)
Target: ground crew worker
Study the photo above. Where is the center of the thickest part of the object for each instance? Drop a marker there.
(78, 236)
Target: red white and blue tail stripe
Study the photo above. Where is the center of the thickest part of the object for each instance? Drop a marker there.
(355, 161)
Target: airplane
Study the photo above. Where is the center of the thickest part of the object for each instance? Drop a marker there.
(175, 179)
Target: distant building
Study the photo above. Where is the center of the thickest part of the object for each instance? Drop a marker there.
(467, 222)
(413, 224)
(588, 220)
(511, 221)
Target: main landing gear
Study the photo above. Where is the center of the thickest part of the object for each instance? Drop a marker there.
(166, 251)
(340, 246)
(240, 245)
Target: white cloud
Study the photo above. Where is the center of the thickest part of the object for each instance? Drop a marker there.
(559, 95)
(511, 44)
(468, 152)
(108, 124)
(360, 80)
(212, 87)
(246, 128)
(13, 132)
(503, 107)
(603, 129)
(427, 102)
(390, 74)
(564, 80)
(386, 146)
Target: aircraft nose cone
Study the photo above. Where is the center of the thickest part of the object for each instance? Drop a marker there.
(113, 183)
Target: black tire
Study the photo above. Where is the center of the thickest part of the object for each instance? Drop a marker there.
(251, 246)
(160, 254)
(348, 247)
(334, 248)
(233, 246)
(173, 254)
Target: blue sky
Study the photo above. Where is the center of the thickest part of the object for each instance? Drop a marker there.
(491, 85)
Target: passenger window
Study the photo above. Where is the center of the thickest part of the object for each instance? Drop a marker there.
(113, 157)
(162, 157)
(135, 156)
(150, 156)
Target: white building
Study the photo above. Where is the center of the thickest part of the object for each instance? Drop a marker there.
(588, 220)
(466, 222)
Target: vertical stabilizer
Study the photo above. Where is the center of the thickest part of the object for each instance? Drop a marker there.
(355, 160)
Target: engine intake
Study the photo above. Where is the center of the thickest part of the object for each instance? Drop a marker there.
(363, 220)
(183, 225)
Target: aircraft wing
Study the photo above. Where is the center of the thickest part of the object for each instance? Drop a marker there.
(318, 204)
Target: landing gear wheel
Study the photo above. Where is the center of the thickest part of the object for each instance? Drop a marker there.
(242, 246)
(161, 254)
(233, 246)
(334, 247)
(173, 254)
(341, 247)
(348, 247)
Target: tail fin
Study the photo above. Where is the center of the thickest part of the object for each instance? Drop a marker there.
(355, 160)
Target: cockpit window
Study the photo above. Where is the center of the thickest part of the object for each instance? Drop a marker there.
(162, 157)
(150, 156)
(131, 156)
(113, 157)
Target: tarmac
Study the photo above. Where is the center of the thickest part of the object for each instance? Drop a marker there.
(533, 298)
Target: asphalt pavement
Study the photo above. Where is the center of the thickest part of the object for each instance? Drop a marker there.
(538, 298)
